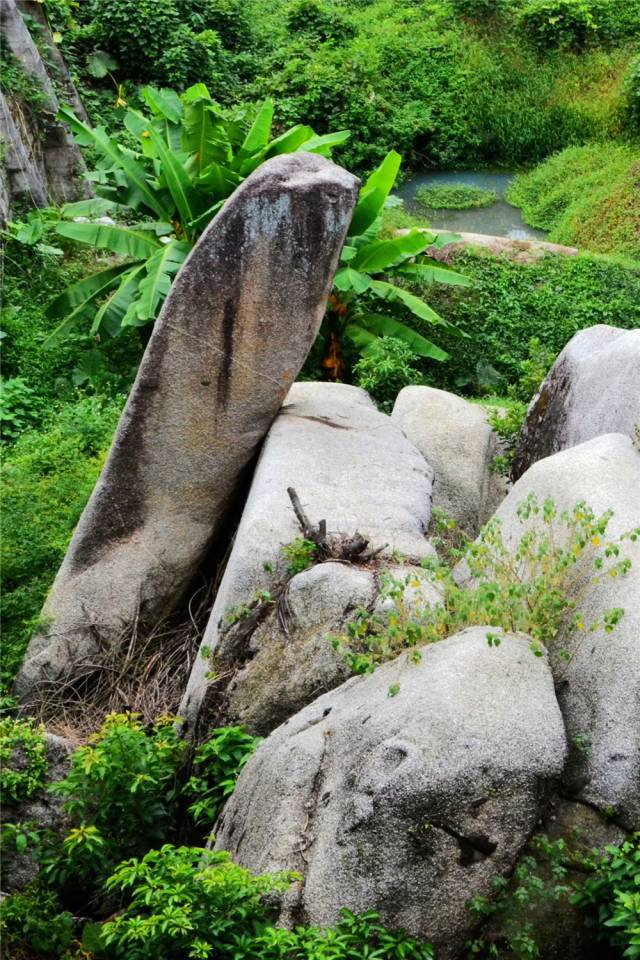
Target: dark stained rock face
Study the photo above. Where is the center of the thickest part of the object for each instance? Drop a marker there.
(593, 388)
(231, 338)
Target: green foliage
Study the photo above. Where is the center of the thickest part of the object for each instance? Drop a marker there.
(33, 917)
(586, 196)
(560, 23)
(16, 406)
(455, 197)
(632, 92)
(23, 760)
(47, 478)
(218, 764)
(362, 288)
(540, 879)
(318, 20)
(611, 897)
(386, 369)
(121, 790)
(299, 555)
(481, 9)
(23, 89)
(190, 157)
(533, 587)
(186, 901)
(511, 303)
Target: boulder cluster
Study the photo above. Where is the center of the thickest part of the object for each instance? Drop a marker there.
(407, 790)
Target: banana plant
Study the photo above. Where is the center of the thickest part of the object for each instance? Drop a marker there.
(153, 202)
(365, 304)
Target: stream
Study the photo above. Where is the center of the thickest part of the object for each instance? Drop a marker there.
(498, 220)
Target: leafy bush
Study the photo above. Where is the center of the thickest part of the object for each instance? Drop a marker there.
(509, 303)
(318, 20)
(386, 369)
(123, 785)
(185, 900)
(47, 478)
(481, 9)
(586, 196)
(611, 897)
(138, 33)
(16, 406)
(455, 197)
(23, 760)
(632, 91)
(561, 23)
(32, 924)
(534, 596)
(218, 764)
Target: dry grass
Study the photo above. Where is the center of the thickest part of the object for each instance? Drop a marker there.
(144, 671)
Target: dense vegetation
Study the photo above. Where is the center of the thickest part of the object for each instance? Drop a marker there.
(586, 197)
(446, 83)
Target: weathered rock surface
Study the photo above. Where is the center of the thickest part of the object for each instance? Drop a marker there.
(286, 671)
(593, 388)
(44, 809)
(599, 688)
(233, 333)
(411, 803)
(454, 437)
(42, 161)
(350, 465)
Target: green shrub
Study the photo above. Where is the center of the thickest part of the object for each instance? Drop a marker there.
(632, 92)
(123, 785)
(561, 23)
(318, 19)
(509, 303)
(218, 764)
(138, 33)
(481, 9)
(455, 197)
(47, 478)
(611, 897)
(534, 597)
(387, 367)
(185, 901)
(32, 924)
(23, 760)
(16, 406)
(586, 196)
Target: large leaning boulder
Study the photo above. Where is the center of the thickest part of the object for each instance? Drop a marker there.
(232, 336)
(593, 388)
(454, 437)
(351, 466)
(599, 687)
(405, 791)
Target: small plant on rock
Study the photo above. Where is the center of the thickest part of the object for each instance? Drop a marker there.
(218, 764)
(532, 586)
(23, 760)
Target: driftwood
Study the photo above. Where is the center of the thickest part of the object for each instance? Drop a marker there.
(337, 548)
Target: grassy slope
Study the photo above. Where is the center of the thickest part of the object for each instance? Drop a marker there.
(587, 196)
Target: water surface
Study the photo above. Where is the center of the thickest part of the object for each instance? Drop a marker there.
(498, 220)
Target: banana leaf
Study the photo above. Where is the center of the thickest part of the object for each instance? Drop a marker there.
(388, 291)
(154, 287)
(188, 201)
(111, 313)
(383, 254)
(374, 193)
(138, 192)
(427, 273)
(347, 279)
(385, 326)
(122, 240)
(81, 297)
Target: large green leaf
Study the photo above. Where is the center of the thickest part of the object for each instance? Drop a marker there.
(257, 138)
(324, 143)
(384, 254)
(359, 337)
(161, 269)
(164, 103)
(390, 327)
(374, 193)
(347, 279)
(388, 291)
(201, 222)
(427, 273)
(204, 136)
(103, 236)
(290, 141)
(93, 207)
(138, 190)
(80, 297)
(111, 313)
(185, 196)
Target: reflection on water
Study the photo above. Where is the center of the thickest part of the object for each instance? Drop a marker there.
(498, 220)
